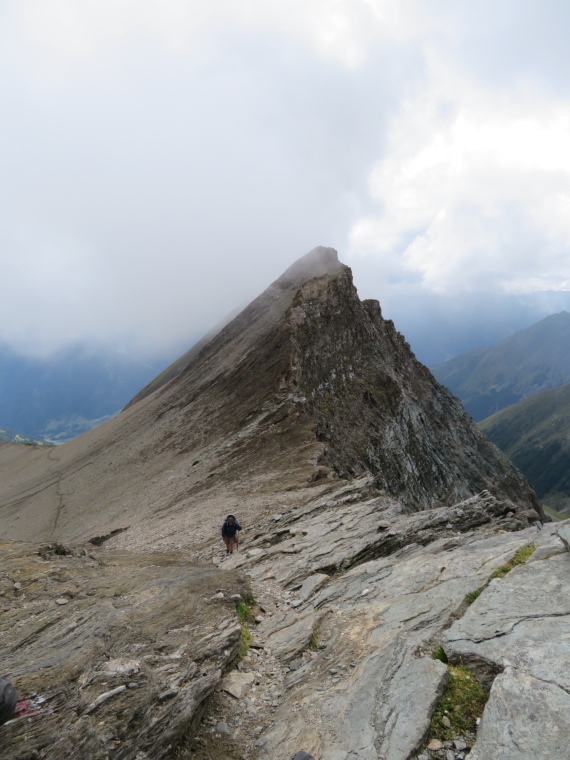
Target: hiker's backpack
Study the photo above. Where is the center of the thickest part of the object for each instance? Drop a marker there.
(8, 699)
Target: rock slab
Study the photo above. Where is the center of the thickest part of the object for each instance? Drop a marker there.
(238, 684)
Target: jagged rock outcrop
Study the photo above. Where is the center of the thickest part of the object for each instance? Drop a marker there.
(308, 383)
(355, 607)
(371, 506)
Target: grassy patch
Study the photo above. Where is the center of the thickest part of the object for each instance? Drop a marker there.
(462, 703)
(244, 609)
(556, 516)
(522, 555)
(314, 640)
(472, 595)
(244, 643)
(439, 654)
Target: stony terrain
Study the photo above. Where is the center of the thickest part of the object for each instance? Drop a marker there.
(372, 507)
(354, 615)
(348, 614)
(113, 652)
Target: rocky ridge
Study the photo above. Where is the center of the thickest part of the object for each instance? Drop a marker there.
(266, 407)
(372, 507)
(340, 663)
(376, 612)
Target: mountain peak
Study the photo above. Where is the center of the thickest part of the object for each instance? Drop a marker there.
(316, 263)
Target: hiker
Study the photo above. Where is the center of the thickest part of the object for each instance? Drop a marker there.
(8, 700)
(230, 530)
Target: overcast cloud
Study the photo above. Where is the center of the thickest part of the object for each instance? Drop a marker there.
(162, 162)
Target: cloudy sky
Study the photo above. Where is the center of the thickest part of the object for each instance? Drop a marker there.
(162, 161)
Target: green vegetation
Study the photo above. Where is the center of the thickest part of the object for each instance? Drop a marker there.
(462, 703)
(472, 595)
(244, 609)
(487, 380)
(522, 555)
(314, 640)
(439, 654)
(556, 516)
(534, 435)
(245, 641)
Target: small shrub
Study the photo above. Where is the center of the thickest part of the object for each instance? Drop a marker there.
(245, 641)
(462, 702)
(243, 610)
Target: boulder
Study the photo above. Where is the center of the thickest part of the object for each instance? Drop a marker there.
(564, 533)
(237, 683)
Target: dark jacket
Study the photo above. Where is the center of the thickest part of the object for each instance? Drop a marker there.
(230, 530)
(8, 700)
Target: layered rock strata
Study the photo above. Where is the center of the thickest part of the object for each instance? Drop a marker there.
(113, 654)
(356, 606)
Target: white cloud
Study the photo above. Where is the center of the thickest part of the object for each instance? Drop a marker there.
(59, 35)
(471, 178)
(163, 161)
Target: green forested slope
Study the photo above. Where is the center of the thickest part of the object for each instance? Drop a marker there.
(535, 434)
(530, 361)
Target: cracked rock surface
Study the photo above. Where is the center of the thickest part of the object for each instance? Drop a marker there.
(355, 648)
(521, 625)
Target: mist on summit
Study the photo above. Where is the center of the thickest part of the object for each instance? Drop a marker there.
(163, 163)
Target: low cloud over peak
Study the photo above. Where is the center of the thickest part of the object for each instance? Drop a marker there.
(163, 162)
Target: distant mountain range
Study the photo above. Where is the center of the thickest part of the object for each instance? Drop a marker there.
(61, 396)
(526, 363)
(535, 435)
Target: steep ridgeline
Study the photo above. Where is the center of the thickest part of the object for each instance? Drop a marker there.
(372, 507)
(308, 383)
(528, 362)
(378, 409)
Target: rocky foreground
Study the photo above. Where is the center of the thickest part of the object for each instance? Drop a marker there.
(113, 654)
(356, 607)
(121, 655)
